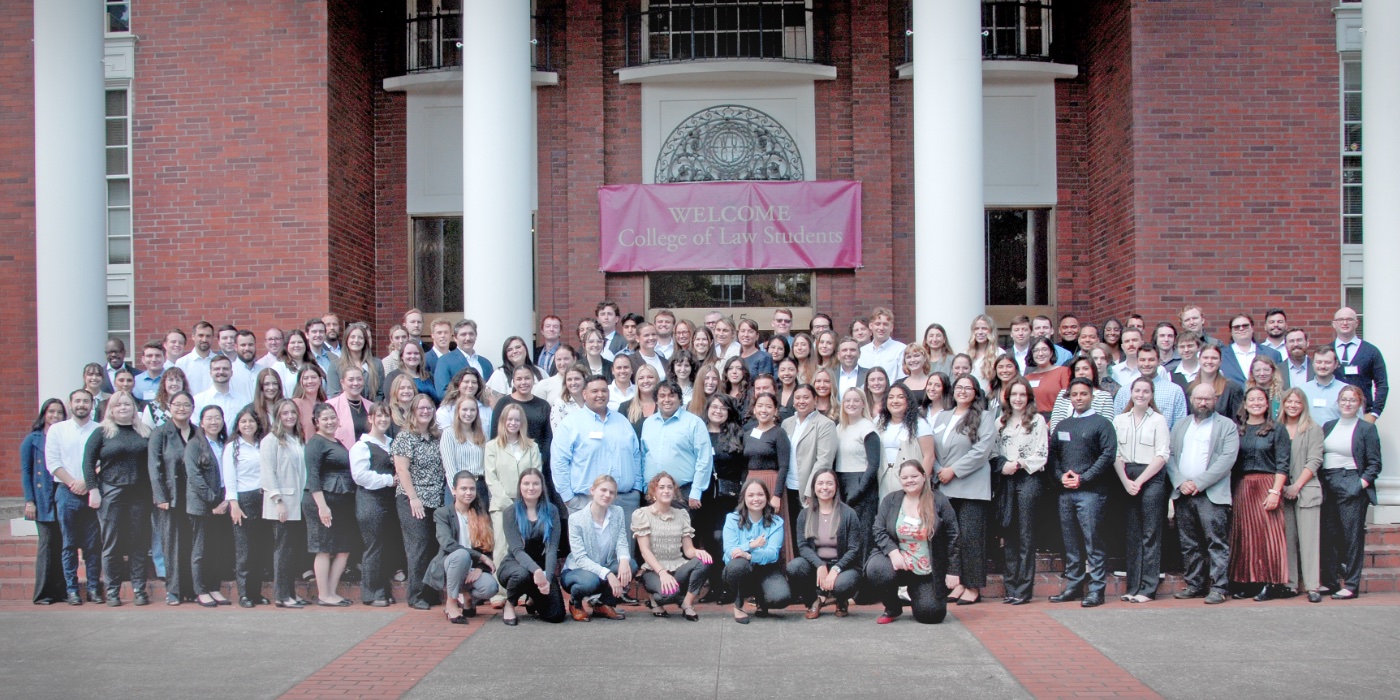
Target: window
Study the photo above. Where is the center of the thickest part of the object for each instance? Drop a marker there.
(680, 30)
(702, 290)
(119, 325)
(118, 177)
(434, 34)
(1016, 28)
(118, 16)
(1355, 300)
(1351, 151)
(1018, 257)
(437, 264)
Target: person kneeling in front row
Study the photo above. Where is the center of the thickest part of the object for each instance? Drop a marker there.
(753, 537)
(673, 569)
(600, 557)
(916, 534)
(829, 549)
(465, 539)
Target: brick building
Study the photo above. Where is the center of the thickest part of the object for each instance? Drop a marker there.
(267, 160)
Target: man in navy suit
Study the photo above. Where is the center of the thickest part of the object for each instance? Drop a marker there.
(1359, 362)
(1236, 357)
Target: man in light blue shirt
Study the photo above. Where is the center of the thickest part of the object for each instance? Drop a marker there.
(1323, 388)
(591, 443)
(677, 442)
(148, 382)
(1170, 400)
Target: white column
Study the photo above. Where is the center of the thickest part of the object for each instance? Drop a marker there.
(70, 192)
(1380, 91)
(497, 170)
(949, 239)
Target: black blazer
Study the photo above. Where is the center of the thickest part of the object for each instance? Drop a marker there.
(445, 520)
(515, 544)
(1365, 451)
(850, 542)
(204, 484)
(943, 546)
(1370, 375)
(166, 462)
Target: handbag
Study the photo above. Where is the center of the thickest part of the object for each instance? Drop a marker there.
(1002, 511)
(726, 487)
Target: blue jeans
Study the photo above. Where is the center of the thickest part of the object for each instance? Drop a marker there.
(80, 531)
(581, 584)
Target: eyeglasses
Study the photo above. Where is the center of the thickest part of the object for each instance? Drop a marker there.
(1241, 326)
(963, 390)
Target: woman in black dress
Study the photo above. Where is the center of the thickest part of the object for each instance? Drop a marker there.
(329, 506)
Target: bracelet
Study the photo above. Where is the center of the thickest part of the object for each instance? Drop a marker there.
(1275, 491)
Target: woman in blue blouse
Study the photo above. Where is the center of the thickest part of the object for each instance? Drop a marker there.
(39, 506)
(753, 537)
(600, 560)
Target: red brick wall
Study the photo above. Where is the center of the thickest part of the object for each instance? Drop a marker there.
(350, 165)
(230, 164)
(1235, 144)
(392, 293)
(17, 316)
(584, 80)
(901, 138)
(622, 143)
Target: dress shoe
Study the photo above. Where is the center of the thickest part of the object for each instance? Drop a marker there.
(965, 601)
(1066, 596)
(469, 611)
(259, 600)
(1020, 601)
(1093, 600)
(1285, 592)
(245, 602)
(1215, 598)
(290, 605)
(172, 600)
(886, 618)
(114, 601)
(510, 621)
(94, 597)
(579, 614)
(1189, 593)
(1314, 597)
(420, 605)
(813, 612)
(1344, 594)
(841, 609)
(762, 612)
(223, 601)
(43, 601)
(141, 599)
(1265, 593)
(74, 599)
(207, 604)
(609, 612)
(381, 603)
(628, 599)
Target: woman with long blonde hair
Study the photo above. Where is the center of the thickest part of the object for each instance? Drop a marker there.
(983, 349)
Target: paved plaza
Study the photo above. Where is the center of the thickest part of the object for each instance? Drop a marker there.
(1172, 649)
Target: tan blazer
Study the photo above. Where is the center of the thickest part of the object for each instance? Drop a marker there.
(815, 450)
(1307, 452)
(503, 470)
(283, 474)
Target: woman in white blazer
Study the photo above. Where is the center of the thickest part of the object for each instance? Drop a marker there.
(283, 480)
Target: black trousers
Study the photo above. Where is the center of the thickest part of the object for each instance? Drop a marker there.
(794, 504)
(1343, 528)
(1023, 492)
(204, 569)
(419, 546)
(865, 507)
(126, 536)
(379, 528)
(928, 594)
(176, 539)
(518, 581)
(1204, 529)
(288, 548)
(766, 582)
(1147, 519)
(1081, 515)
(250, 545)
(690, 577)
(48, 564)
(802, 579)
(970, 565)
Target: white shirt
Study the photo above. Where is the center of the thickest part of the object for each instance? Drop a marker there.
(196, 371)
(1189, 374)
(464, 529)
(616, 396)
(845, 381)
(1021, 355)
(1245, 356)
(243, 475)
(1281, 348)
(266, 361)
(230, 404)
(550, 388)
(1123, 374)
(359, 464)
(800, 426)
(1195, 450)
(1342, 347)
(655, 361)
(895, 435)
(731, 351)
(889, 356)
(244, 382)
(64, 446)
(668, 349)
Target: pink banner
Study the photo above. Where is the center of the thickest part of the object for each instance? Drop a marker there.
(730, 225)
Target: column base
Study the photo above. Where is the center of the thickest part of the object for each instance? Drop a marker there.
(1383, 515)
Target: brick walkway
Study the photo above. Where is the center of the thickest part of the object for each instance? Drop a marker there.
(391, 661)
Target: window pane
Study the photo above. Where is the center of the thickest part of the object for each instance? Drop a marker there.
(118, 193)
(1351, 170)
(1018, 257)
(438, 264)
(1353, 107)
(116, 161)
(118, 251)
(118, 17)
(1351, 230)
(1355, 300)
(116, 132)
(700, 290)
(1351, 75)
(119, 318)
(1353, 138)
(1351, 200)
(116, 103)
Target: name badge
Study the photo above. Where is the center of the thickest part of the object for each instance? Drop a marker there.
(1319, 403)
(595, 435)
(1351, 370)
(1035, 383)
(1064, 436)
(756, 434)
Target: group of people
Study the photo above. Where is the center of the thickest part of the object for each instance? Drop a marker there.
(703, 459)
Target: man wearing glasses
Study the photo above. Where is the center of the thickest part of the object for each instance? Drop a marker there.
(1359, 363)
(1237, 356)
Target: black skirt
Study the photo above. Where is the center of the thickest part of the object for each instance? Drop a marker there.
(344, 533)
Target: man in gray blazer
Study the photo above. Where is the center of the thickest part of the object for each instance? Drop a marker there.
(1203, 453)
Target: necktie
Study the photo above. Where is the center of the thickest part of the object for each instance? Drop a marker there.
(1346, 352)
